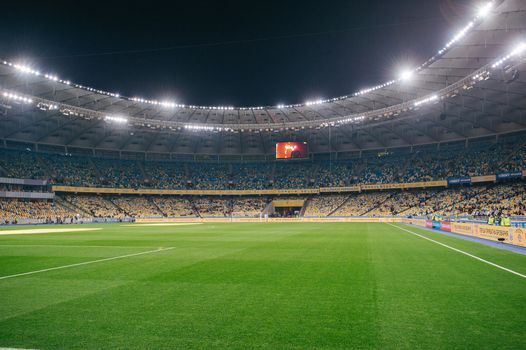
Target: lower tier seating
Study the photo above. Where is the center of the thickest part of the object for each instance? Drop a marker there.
(475, 201)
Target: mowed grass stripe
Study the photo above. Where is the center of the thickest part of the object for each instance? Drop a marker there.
(85, 263)
(502, 257)
(268, 286)
(219, 304)
(450, 300)
(460, 251)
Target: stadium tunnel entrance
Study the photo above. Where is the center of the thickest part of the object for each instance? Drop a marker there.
(288, 208)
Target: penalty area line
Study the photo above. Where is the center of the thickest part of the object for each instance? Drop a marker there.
(460, 251)
(86, 263)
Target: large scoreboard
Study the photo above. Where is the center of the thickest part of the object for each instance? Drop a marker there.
(292, 150)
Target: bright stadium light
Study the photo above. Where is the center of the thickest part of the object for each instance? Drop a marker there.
(113, 119)
(519, 50)
(406, 75)
(26, 69)
(314, 102)
(484, 10)
(427, 100)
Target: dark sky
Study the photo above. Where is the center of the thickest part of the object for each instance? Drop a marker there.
(242, 53)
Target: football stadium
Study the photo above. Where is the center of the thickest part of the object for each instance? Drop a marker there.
(392, 216)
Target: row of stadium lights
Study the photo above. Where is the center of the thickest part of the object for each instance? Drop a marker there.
(17, 98)
(116, 119)
(482, 13)
(427, 100)
(406, 75)
(192, 127)
(518, 51)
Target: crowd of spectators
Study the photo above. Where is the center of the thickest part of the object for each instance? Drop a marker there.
(423, 164)
(95, 206)
(255, 176)
(212, 206)
(293, 175)
(498, 200)
(507, 200)
(124, 173)
(17, 210)
(324, 205)
(396, 203)
(165, 175)
(209, 176)
(334, 174)
(70, 170)
(249, 207)
(137, 206)
(21, 165)
(104, 206)
(174, 206)
(361, 204)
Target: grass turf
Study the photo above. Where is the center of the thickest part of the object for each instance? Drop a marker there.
(259, 286)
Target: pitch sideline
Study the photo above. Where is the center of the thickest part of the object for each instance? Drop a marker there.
(46, 230)
(85, 263)
(461, 251)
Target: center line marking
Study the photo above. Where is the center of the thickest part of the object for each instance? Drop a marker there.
(86, 263)
(460, 251)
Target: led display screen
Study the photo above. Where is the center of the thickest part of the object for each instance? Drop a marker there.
(292, 150)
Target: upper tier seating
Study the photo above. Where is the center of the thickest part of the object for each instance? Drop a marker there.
(422, 164)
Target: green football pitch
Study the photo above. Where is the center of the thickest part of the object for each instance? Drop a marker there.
(258, 286)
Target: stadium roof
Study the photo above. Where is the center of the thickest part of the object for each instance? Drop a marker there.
(473, 87)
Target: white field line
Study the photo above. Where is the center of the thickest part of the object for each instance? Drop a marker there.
(71, 246)
(86, 263)
(46, 230)
(460, 251)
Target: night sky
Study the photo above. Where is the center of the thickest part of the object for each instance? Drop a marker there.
(241, 53)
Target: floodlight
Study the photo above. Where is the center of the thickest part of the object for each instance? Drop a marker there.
(120, 120)
(406, 75)
(519, 50)
(484, 10)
